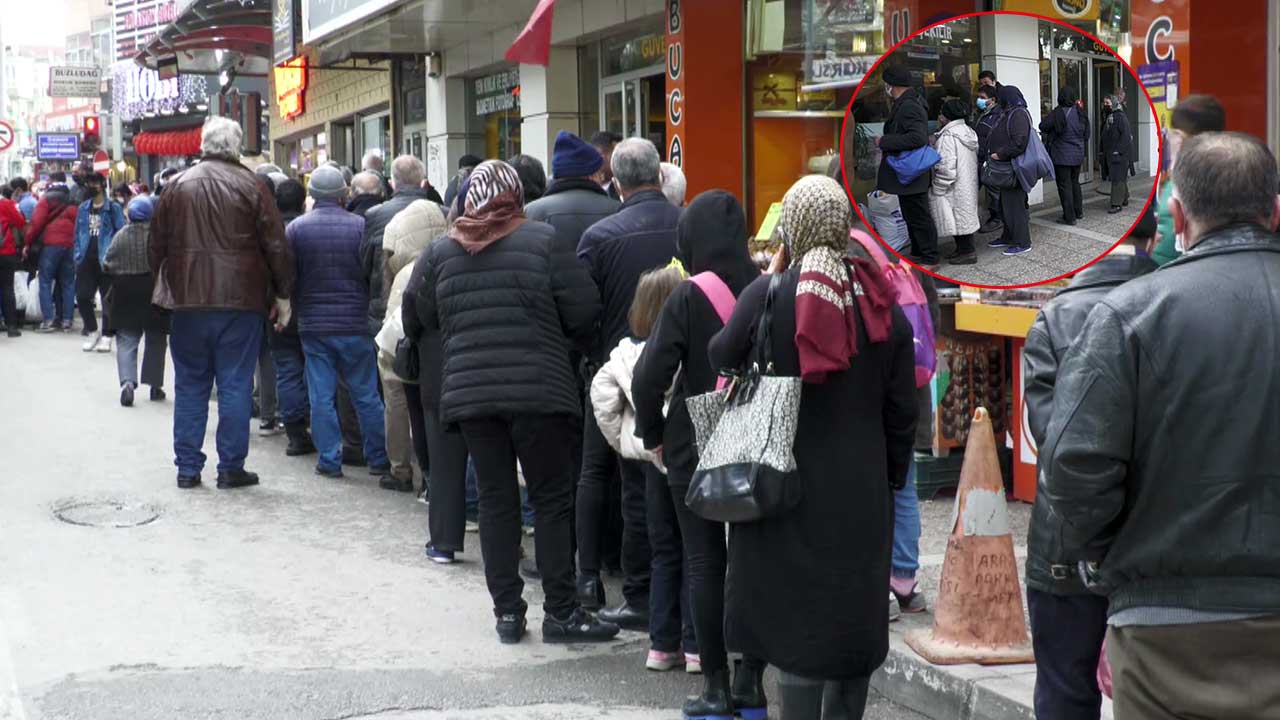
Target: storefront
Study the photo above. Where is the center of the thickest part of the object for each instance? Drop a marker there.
(158, 116)
(314, 121)
(493, 127)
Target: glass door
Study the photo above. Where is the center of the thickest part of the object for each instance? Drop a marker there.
(1073, 72)
(615, 110)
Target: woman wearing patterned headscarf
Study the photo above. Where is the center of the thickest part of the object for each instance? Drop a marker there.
(805, 589)
(505, 301)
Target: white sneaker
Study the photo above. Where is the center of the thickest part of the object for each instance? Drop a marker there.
(693, 663)
(91, 342)
(104, 344)
(895, 612)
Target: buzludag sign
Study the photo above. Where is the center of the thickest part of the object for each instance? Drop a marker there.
(76, 82)
(137, 91)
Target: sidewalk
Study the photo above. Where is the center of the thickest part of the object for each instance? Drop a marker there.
(956, 692)
(1055, 249)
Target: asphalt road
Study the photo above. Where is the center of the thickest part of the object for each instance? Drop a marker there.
(301, 598)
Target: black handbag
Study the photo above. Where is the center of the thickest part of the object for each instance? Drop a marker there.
(746, 466)
(999, 175)
(407, 363)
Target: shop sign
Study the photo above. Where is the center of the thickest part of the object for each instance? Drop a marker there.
(137, 22)
(1086, 10)
(1161, 81)
(284, 30)
(675, 82)
(834, 69)
(634, 54)
(499, 92)
(291, 87)
(325, 17)
(136, 91)
(77, 82)
(57, 146)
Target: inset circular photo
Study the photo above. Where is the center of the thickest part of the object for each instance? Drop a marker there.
(1001, 149)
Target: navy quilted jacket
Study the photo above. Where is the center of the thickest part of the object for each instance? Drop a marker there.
(331, 292)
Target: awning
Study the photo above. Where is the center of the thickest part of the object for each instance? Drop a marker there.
(210, 36)
(173, 142)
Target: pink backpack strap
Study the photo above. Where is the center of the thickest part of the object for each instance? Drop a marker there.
(722, 299)
(873, 247)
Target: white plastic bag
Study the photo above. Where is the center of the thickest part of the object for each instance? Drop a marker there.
(885, 215)
(33, 301)
(20, 290)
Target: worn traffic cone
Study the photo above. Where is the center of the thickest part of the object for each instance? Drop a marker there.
(978, 616)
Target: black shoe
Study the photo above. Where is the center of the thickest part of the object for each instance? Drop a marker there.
(511, 628)
(270, 427)
(1125, 203)
(529, 569)
(157, 394)
(325, 472)
(991, 226)
(353, 456)
(747, 694)
(626, 617)
(13, 332)
(236, 479)
(715, 701)
(1079, 216)
(381, 470)
(387, 482)
(186, 482)
(590, 592)
(299, 439)
(579, 627)
(1114, 209)
(126, 395)
(965, 259)
(1064, 221)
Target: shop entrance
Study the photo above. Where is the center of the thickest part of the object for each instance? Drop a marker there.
(1093, 78)
(634, 105)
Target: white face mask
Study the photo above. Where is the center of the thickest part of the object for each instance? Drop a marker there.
(888, 90)
(1178, 243)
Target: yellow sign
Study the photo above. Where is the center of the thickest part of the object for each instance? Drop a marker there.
(770, 224)
(1065, 9)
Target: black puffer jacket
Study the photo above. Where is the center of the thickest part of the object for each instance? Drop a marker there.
(712, 237)
(1161, 454)
(371, 256)
(507, 317)
(1048, 342)
(572, 205)
(1116, 144)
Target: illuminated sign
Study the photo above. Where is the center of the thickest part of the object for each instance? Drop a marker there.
(291, 86)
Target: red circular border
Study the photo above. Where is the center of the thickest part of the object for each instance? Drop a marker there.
(845, 123)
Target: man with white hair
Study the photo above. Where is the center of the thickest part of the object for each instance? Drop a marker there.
(366, 192)
(674, 184)
(407, 174)
(218, 245)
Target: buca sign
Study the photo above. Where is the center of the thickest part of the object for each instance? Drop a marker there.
(675, 83)
(291, 87)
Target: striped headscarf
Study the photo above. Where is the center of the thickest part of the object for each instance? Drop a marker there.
(834, 289)
(493, 207)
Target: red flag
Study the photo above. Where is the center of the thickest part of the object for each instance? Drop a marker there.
(533, 44)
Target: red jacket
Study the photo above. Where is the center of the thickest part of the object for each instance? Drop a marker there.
(10, 217)
(59, 229)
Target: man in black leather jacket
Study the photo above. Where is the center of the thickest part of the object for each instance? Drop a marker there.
(1161, 455)
(1067, 621)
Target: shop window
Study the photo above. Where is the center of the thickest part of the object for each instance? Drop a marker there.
(589, 88)
(493, 125)
(375, 134)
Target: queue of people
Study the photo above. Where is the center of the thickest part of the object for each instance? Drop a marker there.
(975, 164)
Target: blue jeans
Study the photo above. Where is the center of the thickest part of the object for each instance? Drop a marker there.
(209, 345)
(56, 263)
(353, 359)
(291, 384)
(906, 528)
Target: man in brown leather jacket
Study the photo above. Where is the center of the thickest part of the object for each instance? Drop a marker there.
(218, 245)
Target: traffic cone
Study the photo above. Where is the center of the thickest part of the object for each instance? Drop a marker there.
(978, 616)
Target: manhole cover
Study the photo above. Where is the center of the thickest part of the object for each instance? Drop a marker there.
(106, 514)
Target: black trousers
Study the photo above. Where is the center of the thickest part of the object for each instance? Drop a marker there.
(348, 421)
(1119, 174)
(418, 427)
(1013, 213)
(8, 303)
(964, 244)
(541, 444)
(804, 698)
(90, 280)
(1066, 634)
(924, 234)
(599, 477)
(670, 615)
(636, 555)
(447, 482)
(706, 558)
(1068, 179)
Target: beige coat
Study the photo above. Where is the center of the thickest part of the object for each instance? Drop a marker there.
(613, 405)
(411, 230)
(392, 327)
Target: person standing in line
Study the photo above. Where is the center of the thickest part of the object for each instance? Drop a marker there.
(988, 115)
(674, 184)
(1007, 141)
(1192, 115)
(25, 199)
(1160, 453)
(1116, 151)
(605, 142)
(1067, 133)
(366, 193)
(407, 173)
(641, 236)
(267, 402)
(466, 164)
(953, 195)
(333, 300)
(908, 129)
(98, 219)
(711, 238)
(132, 313)
(286, 346)
(217, 206)
(506, 382)
(54, 226)
(828, 558)
(533, 177)
(12, 223)
(1067, 621)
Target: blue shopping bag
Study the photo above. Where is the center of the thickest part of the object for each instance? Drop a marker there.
(911, 164)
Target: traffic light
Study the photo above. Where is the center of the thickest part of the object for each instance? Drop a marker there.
(92, 134)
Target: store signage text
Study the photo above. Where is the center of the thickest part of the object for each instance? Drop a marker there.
(82, 82)
(284, 31)
(291, 87)
(940, 32)
(499, 92)
(149, 17)
(1161, 28)
(675, 82)
(899, 25)
(1067, 9)
(137, 90)
(840, 69)
(136, 23)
